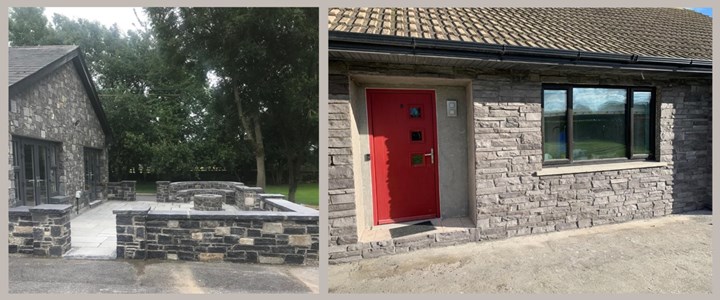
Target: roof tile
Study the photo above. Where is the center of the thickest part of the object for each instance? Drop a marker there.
(664, 32)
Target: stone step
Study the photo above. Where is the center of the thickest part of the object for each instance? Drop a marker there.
(95, 203)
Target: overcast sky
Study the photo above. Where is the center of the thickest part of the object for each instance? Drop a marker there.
(122, 16)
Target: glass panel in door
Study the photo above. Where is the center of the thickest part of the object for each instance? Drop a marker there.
(29, 178)
(41, 184)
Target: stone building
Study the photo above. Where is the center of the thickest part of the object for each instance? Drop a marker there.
(59, 132)
(499, 122)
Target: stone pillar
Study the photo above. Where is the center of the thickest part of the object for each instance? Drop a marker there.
(131, 235)
(51, 229)
(246, 197)
(20, 233)
(128, 190)
(208, 202)
(163, 191)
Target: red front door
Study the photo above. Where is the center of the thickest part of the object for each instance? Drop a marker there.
(403, 154)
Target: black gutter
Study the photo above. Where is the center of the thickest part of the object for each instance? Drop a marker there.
(381, 44)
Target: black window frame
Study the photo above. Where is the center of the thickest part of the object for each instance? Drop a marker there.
(629, 130)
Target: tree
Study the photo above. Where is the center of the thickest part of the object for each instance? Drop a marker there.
(252, 50)
(28, 26)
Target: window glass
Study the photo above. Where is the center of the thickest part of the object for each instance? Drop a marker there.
(641, 122)
(555, 124)
(598, 123)
(415, 112)
(417, 159)
(416, 136)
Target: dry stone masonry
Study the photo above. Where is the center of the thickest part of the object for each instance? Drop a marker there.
(42, 230)
(58, 108)
(208, 202)
(121, 191)
(281, 232)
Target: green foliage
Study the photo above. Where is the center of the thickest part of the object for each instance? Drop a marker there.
(152, 84)
(28, 26)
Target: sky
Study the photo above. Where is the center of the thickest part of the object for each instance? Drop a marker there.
(703, 10)
(122, 16)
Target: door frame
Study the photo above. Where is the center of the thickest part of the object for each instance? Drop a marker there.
(96, 181)
(433, 118)
(51, 149)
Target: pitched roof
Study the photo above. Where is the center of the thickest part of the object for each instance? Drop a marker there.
(25, 61)
(28, 65)
(652, 32)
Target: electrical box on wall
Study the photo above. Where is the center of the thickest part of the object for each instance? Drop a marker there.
(452, 108)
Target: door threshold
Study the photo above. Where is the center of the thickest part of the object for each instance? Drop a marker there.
(382, 232)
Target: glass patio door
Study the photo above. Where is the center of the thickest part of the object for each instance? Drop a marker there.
(92, 173)
(35, 168)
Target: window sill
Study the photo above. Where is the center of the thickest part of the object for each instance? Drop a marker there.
(561, 170)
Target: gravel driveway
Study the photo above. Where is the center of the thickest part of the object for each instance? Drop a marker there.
(671, 254)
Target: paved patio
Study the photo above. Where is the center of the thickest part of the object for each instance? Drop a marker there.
(94, 235)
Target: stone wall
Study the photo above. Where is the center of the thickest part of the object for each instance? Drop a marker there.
(42, 230)
(48, 111)
(162, 191)
(236, 236)
(121, 191)
(341, 187)
(182, 191)
(510, 198)
(246, 197)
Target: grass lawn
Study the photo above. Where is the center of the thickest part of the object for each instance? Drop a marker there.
(307, 193)
(145, 187)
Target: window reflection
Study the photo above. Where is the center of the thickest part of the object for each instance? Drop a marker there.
(598, 123)
(555, 126)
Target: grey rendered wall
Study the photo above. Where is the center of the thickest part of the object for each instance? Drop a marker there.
(47, 112)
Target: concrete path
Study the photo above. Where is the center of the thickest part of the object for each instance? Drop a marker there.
(59, 276)
(670, 254)
(93, 233)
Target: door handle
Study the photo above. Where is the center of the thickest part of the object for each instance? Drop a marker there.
(432, 155)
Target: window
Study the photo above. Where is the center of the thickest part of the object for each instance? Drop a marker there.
(587, 124)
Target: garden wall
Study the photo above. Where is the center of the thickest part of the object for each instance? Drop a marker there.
(267, 237)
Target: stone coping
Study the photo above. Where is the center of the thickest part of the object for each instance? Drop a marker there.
(263, 195)
(206, 189)
(19, 211)
(50, 208)
(289, 206)
(218, 215)
(561, 170)
(229, 183)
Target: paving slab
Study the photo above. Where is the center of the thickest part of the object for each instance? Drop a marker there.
(94, 231)
(62, 276)
(671, 254)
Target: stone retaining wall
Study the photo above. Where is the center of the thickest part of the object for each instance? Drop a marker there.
(121, 191)
(42, 230)
(268, 237)
(181, 191)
